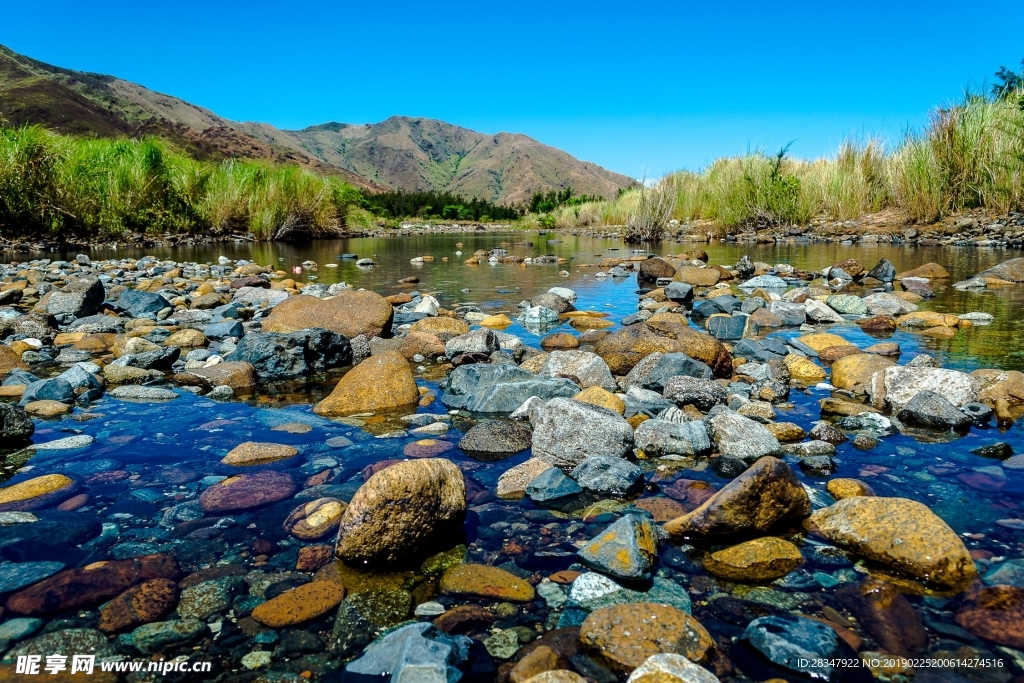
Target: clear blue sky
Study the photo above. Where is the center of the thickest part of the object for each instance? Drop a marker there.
(632, 86)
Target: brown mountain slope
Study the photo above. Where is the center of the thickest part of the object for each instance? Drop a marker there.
(399, 153)
(427, 154)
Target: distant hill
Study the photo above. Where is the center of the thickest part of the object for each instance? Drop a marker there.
(398, 153)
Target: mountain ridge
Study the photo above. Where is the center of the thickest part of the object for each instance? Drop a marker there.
(399, 153)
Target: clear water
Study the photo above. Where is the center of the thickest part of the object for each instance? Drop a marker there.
(125, 472)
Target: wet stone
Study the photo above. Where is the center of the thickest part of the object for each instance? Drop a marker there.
(484, 581)
(246, 491)
(626, 550)
(17, 575)
(209, 597)
(790, 641)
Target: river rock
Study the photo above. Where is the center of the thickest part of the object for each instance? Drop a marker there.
(854, 373)
(16, 427)
(349, 313)
(761, 559)
(300, 604)
(90, 585)
(995, 613)
(257, 453)
(497, 437)
(740, 437)
(701, 393)
(513, 482)
(625, 550)
(654, 268)
(151, 638)
(316, 519)
(589, 368)
(416, 652)
(70, 640)
(442, 327)
(81, 297)
(485, 581)
(896, 386)
(766, 494)
(401, 512)
(247, 491)
(623, 349)
(670, 668)
(653, 372)
(697, 277)
(930, 410)
(238, 376)
(607, 475)
(37, 492)
(657, 437)
(286, 355)
(886, 615)
(899, 533)
(17, 575)
(652, 628)
(551, 488)
(381, 382)
(568, 431)
(795, 643)
(477, 341)
(500, 388)
(146, 602)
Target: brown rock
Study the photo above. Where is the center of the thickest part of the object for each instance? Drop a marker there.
(142, 604)
(90, 585)
(539, 660)
(653, 268)
(316, 519)
(667, 333)
(822, 340)
(661, 509)
(786, 432)
(402, 512)
(929, 270)
(831, 354)
(880, 324)
(765, 495)
(463, 619)
(313, 557)
(886, 615)
(238, 375)
(853, 373)
(698, 277)
(351, 313)
(247, 491)
(186, 338)
(840, 488)
(762, 559)
(601, 397)
(921, 320)
(47, 408)
(995, 613)
(257, 453)
(844, 406)
(901, 534)
(422, 343)
(427, 448)
(9, 360)
(381, 382)
(485, 581)
(512, 483)
(559, 341)
(300, 604)
(622, 637)
(442, 327)
(804, 369)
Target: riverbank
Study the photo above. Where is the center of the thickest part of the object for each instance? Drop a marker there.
(275, 470)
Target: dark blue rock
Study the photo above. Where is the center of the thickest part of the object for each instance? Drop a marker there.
(140, 304)
(224, 329)
(416, 652)
(608, 475)
(680, 292)
(727, 327)
(794, 643)
(552, 488)
(277, 355)
(53, 389)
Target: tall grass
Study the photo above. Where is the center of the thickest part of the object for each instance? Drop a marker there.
(970, 155)
(55, 185)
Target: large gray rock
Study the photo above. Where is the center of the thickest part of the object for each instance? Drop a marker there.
(607, 475)
(702, 393)
(158, 359)
(795, 643)
(276, 355)
(416, 652)
(81, 297)
(552, 301)
(883, 271)
(650, 403)
(740, 437)
(820, 312)
(764, 282)
(589, 368)
(476, 341)
(895, 386)
(791, 314)
(660, 437)
(498, 438)
(500, 388)
(78, 377)
(568, 431)
(538, 315)
(929, 409)
(655, 370)
(53, 389)
(884, 303)
(138, 304)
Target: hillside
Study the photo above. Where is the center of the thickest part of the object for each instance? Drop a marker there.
(398, 153)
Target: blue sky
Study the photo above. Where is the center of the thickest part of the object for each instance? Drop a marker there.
(636, 88)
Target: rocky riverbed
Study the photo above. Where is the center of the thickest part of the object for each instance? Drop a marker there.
(756, 473)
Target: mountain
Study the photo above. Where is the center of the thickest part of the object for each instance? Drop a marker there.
(398, 153)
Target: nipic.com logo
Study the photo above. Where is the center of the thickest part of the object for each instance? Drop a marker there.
(85, 664)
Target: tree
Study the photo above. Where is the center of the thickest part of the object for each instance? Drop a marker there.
(1009, 82)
